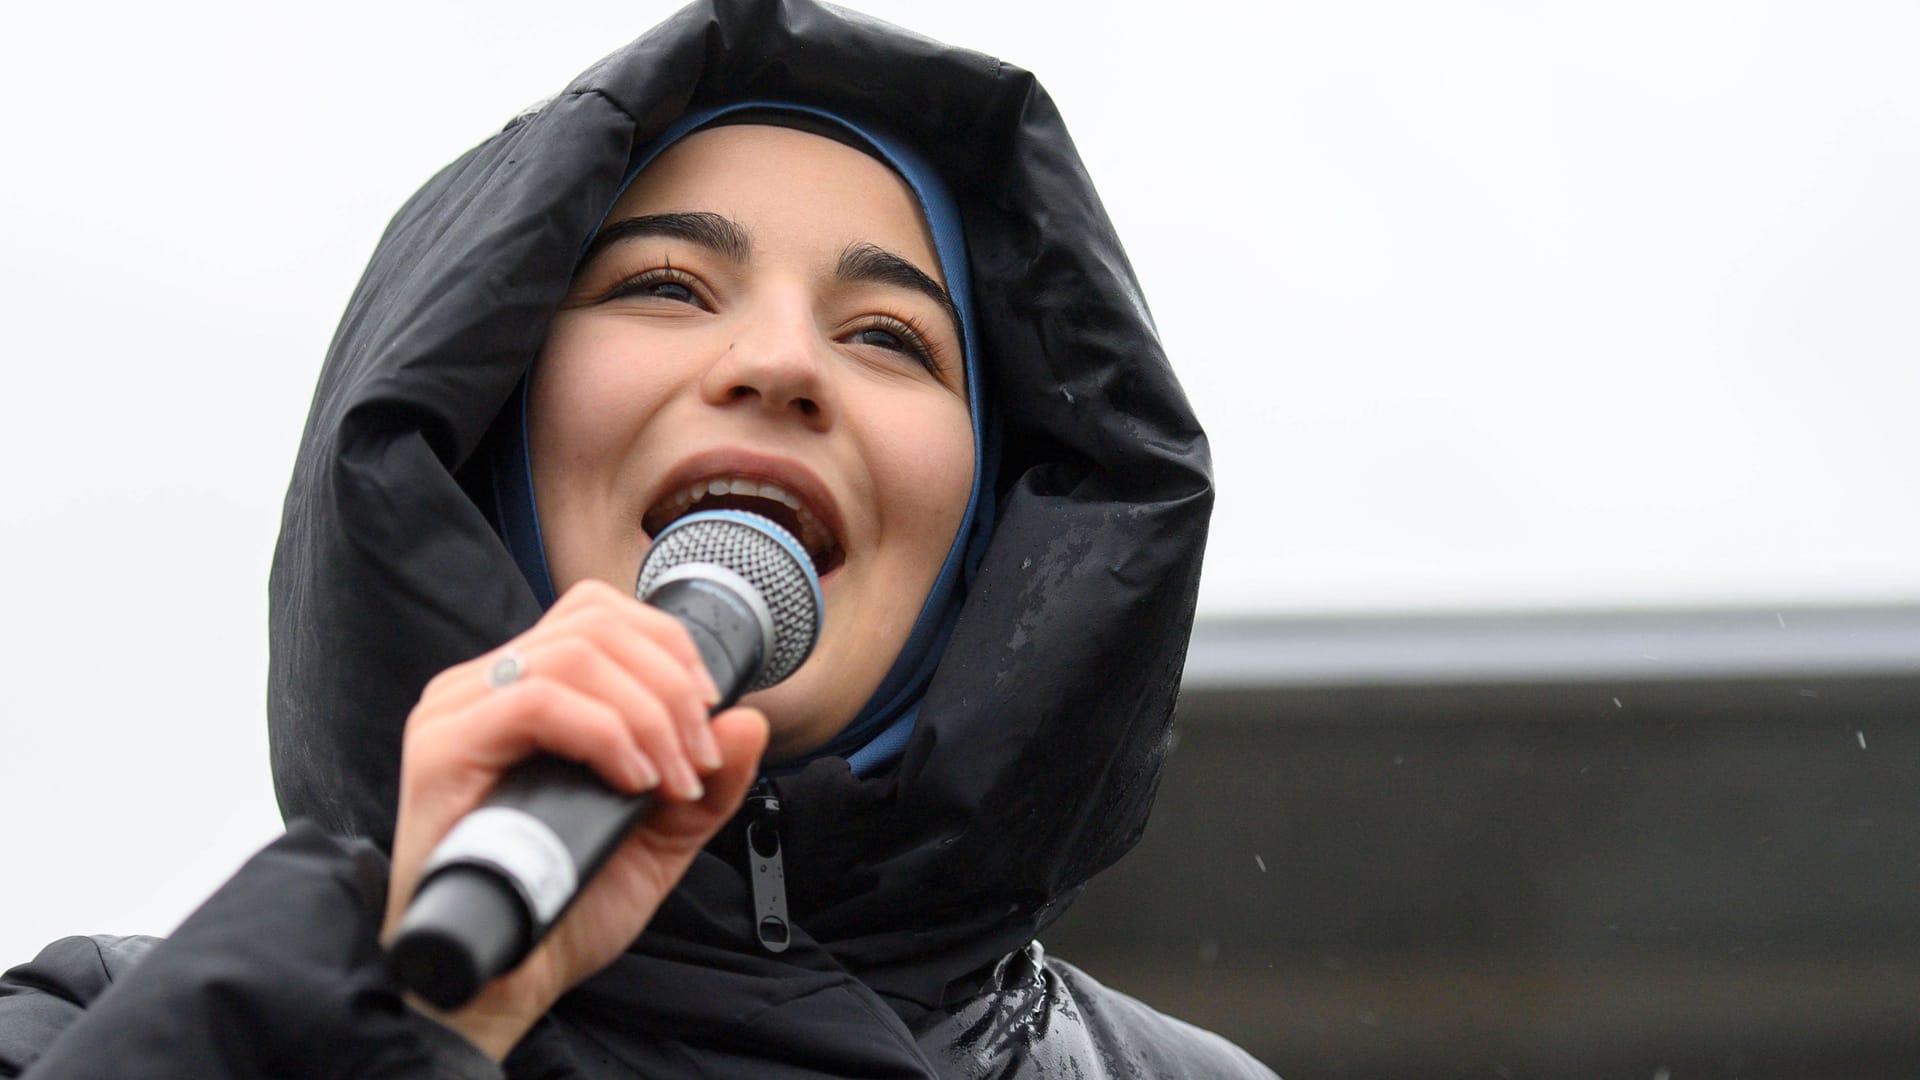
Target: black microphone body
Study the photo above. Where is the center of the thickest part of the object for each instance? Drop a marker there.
(509, 870)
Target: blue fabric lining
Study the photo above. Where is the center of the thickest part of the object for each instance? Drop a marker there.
(885, 748)
(878, 733)
(518, 518)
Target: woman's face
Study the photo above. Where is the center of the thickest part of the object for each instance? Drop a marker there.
(762, 316)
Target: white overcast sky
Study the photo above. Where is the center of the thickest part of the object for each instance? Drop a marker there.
(1485, 306)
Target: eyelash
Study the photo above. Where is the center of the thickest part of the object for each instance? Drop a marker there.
(659, 275)
(916, 338)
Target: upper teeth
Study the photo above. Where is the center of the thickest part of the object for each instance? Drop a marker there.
(813, 535)
(732, 486)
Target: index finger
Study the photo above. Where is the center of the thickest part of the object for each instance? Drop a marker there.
(657, 625)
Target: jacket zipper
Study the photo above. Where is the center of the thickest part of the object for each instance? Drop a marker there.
(764, 868)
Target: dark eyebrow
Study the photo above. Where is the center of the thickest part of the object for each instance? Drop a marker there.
(712, 231)
(865, 262)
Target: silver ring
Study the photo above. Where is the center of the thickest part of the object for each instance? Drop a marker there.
(505, 670)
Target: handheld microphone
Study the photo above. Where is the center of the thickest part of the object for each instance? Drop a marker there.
(747, 593)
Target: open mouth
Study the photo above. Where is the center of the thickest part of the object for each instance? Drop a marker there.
(762, 497)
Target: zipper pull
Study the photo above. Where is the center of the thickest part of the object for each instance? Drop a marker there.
(764, 869)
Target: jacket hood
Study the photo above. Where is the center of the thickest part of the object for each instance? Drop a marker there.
(1040, 738)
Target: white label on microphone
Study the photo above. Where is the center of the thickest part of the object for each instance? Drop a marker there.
(517, 845)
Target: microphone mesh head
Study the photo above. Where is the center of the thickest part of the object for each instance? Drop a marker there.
(770, 560)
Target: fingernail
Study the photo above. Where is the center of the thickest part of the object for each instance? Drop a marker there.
(689, 783)
(705, 750)
(645, 776)
(712, 695)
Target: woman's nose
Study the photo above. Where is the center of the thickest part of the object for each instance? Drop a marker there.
(775, 364)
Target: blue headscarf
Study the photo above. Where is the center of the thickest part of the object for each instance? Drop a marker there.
(878, 733)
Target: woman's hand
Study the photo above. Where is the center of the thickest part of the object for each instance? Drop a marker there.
(613, 684)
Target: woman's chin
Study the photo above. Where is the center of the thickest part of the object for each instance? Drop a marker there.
(793, 734)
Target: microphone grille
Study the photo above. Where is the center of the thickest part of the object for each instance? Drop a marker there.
(770, 560)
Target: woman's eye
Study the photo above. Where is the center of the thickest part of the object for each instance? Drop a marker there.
(886, 339)
(671, 290)
(897, 336)
(662, 284)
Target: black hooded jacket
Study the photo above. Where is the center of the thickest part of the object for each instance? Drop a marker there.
(916, 895)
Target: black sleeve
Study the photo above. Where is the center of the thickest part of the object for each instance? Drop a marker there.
(42, 998)
(1150, 1042)
(1037, 1018)
(278, 974)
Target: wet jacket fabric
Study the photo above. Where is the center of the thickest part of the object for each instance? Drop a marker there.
(916, 895)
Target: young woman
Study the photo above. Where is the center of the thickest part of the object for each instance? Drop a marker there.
(773, 256)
